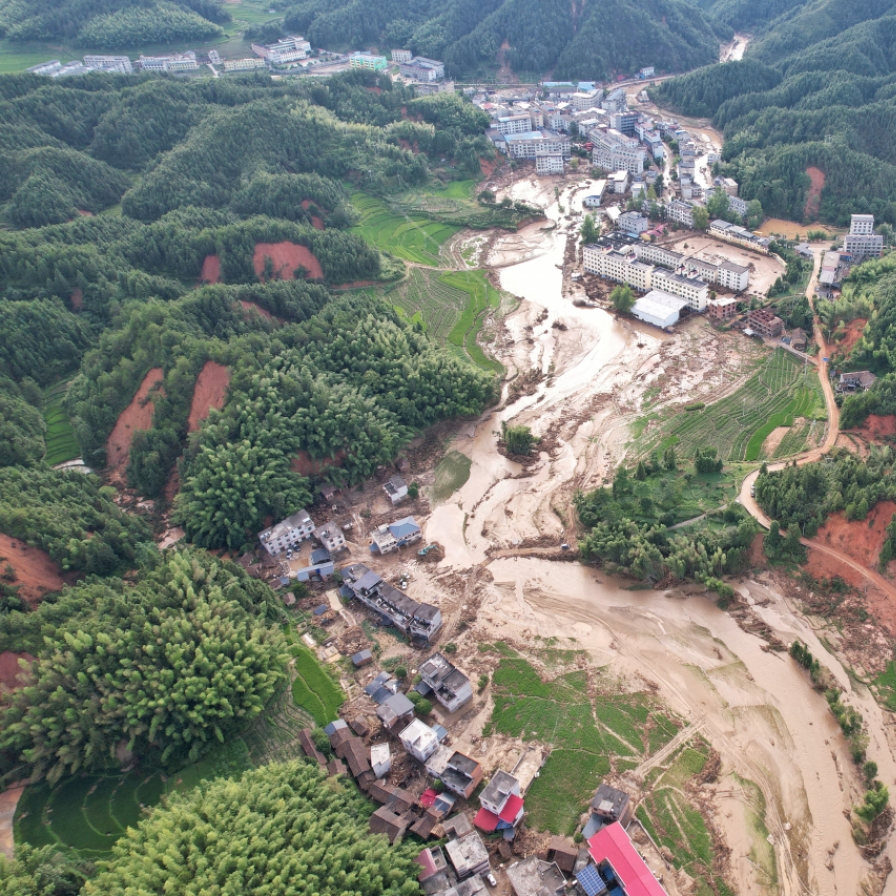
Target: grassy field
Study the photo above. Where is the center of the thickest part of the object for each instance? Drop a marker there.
(676, 824)
(780, 391)
(483, 297)
(61, 442)
(313, 690)
(451, 474)
(411, 237)
(589, 736)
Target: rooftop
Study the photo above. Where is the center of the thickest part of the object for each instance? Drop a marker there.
(611, 844)
(500, 786)
(535, 877)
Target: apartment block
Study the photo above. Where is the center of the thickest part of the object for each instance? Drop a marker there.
(533, 143)
(733, 276)
(514, 124)
(765, 322)
(862, 242)
(740, 236)
(614, 151)
(120, 64)
(550, 163)
(422, 69)
(243, 65)
(680, 211)
(369, 61)
(401, 55)
(693, 289)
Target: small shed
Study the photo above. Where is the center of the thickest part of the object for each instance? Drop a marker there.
(362, 658)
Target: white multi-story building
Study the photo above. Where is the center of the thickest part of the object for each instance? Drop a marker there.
(419, 740)
(177, 62)
(654, 254)
(733, 276)
(287, 534)
(287, 50)
(614, 151)
(587, 99)
(422, 69)
(549, 163)
(861, 241)
(619, 181)
(740, 236)
(401, 55)
(680, 212)
(623, 267)
(120, 64)
(243, 65)
(632, 222)
(533, 143)
(694, 290)
(514, 124)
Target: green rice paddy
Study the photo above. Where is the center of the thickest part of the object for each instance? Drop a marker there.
(61, 442)
(451, 474)
(782, 390)
(313, 690)
(412, 237)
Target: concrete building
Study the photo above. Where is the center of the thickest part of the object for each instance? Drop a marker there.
(614, 151)
(615, 101)
(549, 163)
(586, 99)
(531, 144)
(468, 855)
(765, 322)
(419, 740)
(120, 64)
(681, 212)
(243, 65)
(401, 55)
(396, 489)
(369, 61)
(502, 804)
(617, 862)
(624, 122)
(520, 123)
(596, 196)
(392, 536)
(459, 773)
(535, 877)
(618, 181)
(331, 537)
(450, 687)
(862, 242)
(733, 276)
(422, 69)
(288, 534)
(720, 310)
(659, 255)
(696, 291)
(395, 712)
(647, 72)
(177, 62)
(428, 88)
(632, 222)
(660, 309)
(859, 380)
(285, 51)
(380, 759)
(418, 621)
(739, 236)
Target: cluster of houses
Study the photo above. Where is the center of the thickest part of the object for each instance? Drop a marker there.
(122, 65)
(859, 244)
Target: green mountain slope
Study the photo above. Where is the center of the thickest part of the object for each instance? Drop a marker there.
(112, 24)
(817, 89)
(576, 39)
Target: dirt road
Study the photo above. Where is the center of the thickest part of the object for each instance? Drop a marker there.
(749, 502)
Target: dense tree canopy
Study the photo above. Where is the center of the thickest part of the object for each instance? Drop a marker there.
(167, 667)
(279, 830)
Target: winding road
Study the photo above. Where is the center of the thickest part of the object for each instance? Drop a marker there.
(749, 502)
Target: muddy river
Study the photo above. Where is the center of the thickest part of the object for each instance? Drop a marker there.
(774, 733)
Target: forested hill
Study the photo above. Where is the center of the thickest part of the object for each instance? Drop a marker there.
(126, 193)
(572, 40)
(112, 24)
(817, 89)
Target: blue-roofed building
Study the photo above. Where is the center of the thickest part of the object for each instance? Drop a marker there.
(392, 536)
(590, 881)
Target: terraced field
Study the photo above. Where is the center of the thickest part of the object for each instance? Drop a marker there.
(61, 442)
(782, 390)
(412, 237)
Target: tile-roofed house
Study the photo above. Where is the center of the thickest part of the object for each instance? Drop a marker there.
(607, 806)
(798, 338)
(445, 682)
(336, 767)
(359, 726)
(859, 379)
(563, 854)
(362, 658)
(612, 850)
(428, 825)
(534, 877)
(457, 826)
(354, 752)
(309, 748)
(385, 821)
(395, 712)
(468, 855)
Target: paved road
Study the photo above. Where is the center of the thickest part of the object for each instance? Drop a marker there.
(833, 430)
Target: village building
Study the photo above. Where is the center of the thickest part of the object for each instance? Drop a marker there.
(368, 61)
(288, 534)
(419, 740)
(798, 339)
(501, 802)
(331, 537)
(862, 242)
(740, 236)
(617, 863)
(444, 681)
(660, 309)
(380, 759)
(765, 322)
(694, 290)
(362, 658)
(549, 163)
(385, 821)
(395, 712)
(607, 806)
(396, 489)
(459, 773)
(860, 380)
(632, 222)
(468, 855)
(535, 877)
(418, 621)
(392, 536)
(401, 55)
(563, 853)
(243, 65)
(422, 69)
(720, 310)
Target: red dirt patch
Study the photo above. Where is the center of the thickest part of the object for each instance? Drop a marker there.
(813, 199)
(376, 90)
(355, 284)
(851, 335)
(137, 415)
(211, 270)
(286, 257)
(317, 223)
(209, 392)
(76, 299)
(861, 540)
(305, 465)
(876, 427)
(12, 675)
(35, 573)
(487, 168)
(85, 214)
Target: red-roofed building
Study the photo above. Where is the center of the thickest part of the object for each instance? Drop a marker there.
(614, 853)
(509, 817)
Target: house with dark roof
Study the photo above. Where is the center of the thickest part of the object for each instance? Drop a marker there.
(395, 712)
(362, 658)
(459, 773)
(451, 688)
(288, 534)
(607, 806)
(859, 380)
(418, 621)
(385, 821)
(468, 855)
(396, 489)
(563, 853)
(309, 748)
